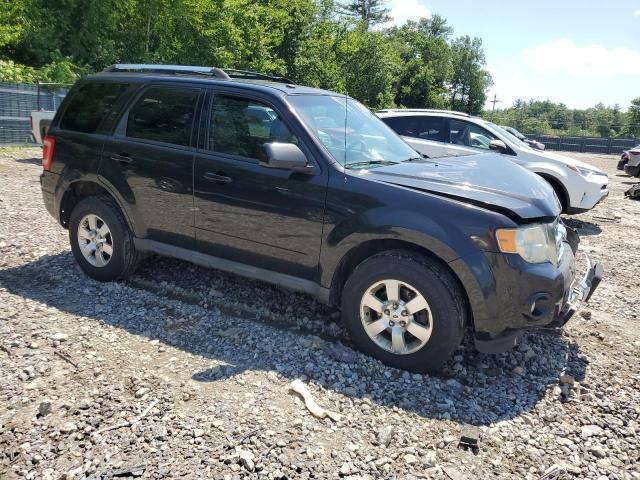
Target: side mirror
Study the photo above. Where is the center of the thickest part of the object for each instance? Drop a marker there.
(498, 146)
(286, 156)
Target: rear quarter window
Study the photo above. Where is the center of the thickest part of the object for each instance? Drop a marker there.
(90, 105)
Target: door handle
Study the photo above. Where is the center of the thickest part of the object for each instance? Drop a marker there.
(121, 157)
(219, 178)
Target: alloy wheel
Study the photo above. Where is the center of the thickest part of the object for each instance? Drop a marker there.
(95, 240)
(396, 316)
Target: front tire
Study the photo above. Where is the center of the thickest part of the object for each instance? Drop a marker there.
(101, 241)
(560, 193)
(404, 309)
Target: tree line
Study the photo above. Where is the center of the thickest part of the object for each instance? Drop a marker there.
(347, 47)
(549, 118)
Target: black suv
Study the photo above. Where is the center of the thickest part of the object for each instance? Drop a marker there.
(307, 189)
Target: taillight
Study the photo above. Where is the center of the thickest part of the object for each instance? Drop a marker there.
(47, 152)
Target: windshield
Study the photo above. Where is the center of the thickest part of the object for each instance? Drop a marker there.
(514, 132)
(353, 135)
(511, 137)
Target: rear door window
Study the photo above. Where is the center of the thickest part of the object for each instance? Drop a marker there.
(163, 114)
(90, 105)
(425, 127)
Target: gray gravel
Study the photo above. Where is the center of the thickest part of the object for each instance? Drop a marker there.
(192, 366)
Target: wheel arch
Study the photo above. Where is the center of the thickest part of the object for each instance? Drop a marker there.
(77, 191)
(361, 252)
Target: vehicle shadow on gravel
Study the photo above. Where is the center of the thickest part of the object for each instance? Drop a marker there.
(31, 161)
(473, 388)
(583, 227)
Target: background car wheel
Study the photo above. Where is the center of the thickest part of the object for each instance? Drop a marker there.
(101, 240)
(405, 310)
(560, 193)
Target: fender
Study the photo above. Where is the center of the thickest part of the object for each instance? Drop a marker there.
(71, 176)
(443, 239)
(125, 199)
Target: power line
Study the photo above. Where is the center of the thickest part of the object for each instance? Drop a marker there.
(494, 101)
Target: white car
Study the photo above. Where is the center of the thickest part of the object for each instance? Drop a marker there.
(39, 121)
(442, 133)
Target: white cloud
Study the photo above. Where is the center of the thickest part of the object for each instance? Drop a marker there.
(403, 10)
(636, 13)
(565, 57)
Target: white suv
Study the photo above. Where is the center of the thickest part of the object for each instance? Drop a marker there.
(442, 133)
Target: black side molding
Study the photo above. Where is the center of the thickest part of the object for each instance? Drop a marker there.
(290, 282)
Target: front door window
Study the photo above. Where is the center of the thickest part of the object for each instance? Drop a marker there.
(467, 134)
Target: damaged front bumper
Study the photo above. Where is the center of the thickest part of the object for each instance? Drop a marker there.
(542, 309)
(581, 291)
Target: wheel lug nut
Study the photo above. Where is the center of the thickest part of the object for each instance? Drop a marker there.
(404, 313)
(391, 324)
(386, 312)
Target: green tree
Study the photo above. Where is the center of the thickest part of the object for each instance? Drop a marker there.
(633, 120)
(370, 67)
(370, 12)
(318, 62)
(470, 80)
(604, 120)
(617, 119)
(12, 24)
(323, 43)
(426, 62)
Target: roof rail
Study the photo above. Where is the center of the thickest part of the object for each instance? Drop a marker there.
(187, 69)
(423, 110)
(151, 68)
(235, 73)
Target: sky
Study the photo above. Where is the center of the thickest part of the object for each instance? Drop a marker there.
(576, 52)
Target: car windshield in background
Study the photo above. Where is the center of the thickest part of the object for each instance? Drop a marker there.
(510, 136)
(353, 135)
(514, 132)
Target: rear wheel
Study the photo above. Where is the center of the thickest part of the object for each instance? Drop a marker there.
(405, 310)
(101, 241)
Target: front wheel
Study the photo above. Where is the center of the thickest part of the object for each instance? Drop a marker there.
(101, 240)
(405, 310)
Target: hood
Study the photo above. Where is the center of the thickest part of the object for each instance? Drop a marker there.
(486, 180)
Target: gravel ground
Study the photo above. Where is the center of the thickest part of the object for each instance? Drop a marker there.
(191, 370)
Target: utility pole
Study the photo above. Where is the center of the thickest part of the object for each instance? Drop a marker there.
(494, 101)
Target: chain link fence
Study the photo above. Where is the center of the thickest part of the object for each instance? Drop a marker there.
(17, 101)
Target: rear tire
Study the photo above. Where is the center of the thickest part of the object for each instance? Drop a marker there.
(430, 304)
(101, 241)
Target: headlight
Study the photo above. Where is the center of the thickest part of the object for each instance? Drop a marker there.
(586, 172)
(536, 243)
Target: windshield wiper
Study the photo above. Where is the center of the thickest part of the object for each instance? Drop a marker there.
(414, 159)
(371, 162)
